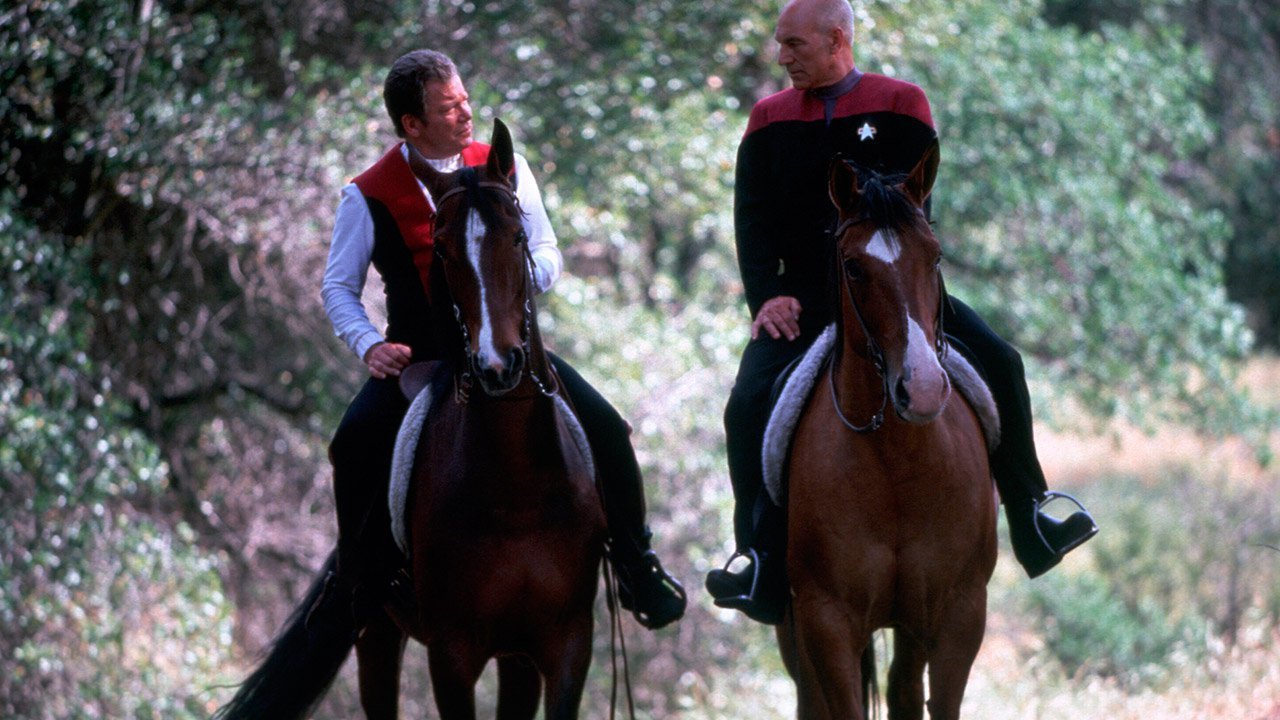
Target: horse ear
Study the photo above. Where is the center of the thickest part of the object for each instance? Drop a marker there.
(502, 157)
(842, 184)
(920, 182)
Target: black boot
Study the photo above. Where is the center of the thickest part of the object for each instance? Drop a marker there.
(655, 597)
(759, 590)
(1041, 541)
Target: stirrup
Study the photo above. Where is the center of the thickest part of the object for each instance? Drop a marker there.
(664, 598)
(737, 600)
(1037, 513)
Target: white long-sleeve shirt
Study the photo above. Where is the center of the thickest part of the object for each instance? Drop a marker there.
(351, 252)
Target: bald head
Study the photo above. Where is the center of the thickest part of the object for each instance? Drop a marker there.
(827, 14)
(815, 41)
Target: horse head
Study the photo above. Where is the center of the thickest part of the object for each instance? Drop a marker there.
(481, 247)
(891, 282)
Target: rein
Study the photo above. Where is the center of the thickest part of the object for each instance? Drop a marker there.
(877, 361)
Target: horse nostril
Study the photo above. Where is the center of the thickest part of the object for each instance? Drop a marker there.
(900, 393)
(515, 361)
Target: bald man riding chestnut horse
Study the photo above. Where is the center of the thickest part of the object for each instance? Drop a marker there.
(784, 220)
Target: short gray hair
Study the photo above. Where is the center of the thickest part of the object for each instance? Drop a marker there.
(403, 91)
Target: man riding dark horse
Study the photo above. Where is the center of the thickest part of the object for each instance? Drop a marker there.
(385, 218)
(783, 219)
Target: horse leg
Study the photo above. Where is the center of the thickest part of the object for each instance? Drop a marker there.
(379, 651)
(787, 643)
(519, 688)
(455, 667)
(830, 656)
(906, 677)
(810, 705)
(564, 660)
(961, 628)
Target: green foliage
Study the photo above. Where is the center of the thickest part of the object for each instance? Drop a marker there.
(105, 612)
(1179, 562)
(169, 173)
(1241, 168)
(1055, 204)
(1090, 630)
(1163, 554)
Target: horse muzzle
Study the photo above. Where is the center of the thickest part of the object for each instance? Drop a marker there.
(499, 376)
(920, 396)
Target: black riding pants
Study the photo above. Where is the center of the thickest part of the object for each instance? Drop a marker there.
(1014, 463)
(362, 447)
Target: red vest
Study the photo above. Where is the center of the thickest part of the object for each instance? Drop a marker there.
(392, 183)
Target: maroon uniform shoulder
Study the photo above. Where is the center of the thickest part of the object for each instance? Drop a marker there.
(778, 107)
(899, 96)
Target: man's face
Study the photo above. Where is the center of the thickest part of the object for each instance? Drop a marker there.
(445, 126)
(805, 50)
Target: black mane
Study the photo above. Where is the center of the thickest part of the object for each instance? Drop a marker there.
(476, 199)
(883, 200)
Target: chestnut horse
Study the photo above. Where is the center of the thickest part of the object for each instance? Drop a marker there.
(505, 527)
(891, 516)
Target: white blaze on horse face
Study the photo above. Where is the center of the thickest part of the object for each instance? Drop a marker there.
(928, 386)
(884, 246)
(475, 237)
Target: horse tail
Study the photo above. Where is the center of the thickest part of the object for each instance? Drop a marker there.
(303, 660)
(870, 683)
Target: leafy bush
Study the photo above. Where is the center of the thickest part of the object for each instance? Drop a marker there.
(103, 613)
(1181, 563)
(1091, 630)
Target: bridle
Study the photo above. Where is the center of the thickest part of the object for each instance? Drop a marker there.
(874, 352)
(550, 386)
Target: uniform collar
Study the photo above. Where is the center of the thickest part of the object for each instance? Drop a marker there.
(838, 88)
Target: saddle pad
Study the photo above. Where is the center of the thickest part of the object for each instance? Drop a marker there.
(786, 413)
(407, 446)
(402, 463)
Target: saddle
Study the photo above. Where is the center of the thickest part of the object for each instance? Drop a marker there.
(791, 393)
(422, 383)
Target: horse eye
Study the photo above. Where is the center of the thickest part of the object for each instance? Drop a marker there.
(852, 269)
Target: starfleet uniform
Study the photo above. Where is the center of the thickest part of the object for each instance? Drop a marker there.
(782, 215)
(784, 220)
(385, 219)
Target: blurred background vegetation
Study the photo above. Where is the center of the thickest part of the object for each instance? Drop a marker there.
(1109, 198)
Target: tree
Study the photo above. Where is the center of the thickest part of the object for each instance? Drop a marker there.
(1238, 170)
(170, 169)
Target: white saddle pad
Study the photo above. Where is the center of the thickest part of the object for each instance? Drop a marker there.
(407, 446)
(795, 393)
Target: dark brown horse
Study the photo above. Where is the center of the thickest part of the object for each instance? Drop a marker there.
(892, 516)
(505, 527)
